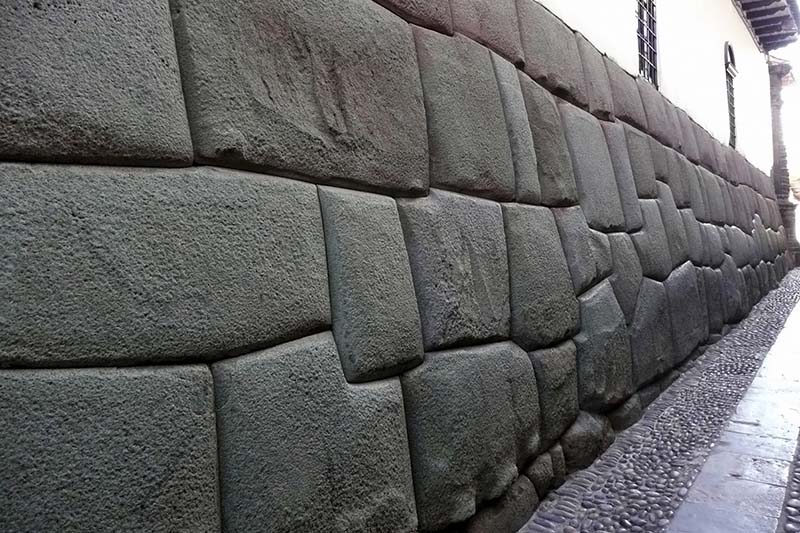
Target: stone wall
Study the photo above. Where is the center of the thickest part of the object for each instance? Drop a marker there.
(317, 265)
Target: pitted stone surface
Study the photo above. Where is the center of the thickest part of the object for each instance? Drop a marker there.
(434, 14)
(127, 449)
(588, 437)
(540, 472)
(93, 82)
(731, 297)
(690, 149)
(626, 185)
(628, 105)
(459, 263)
(469, 145)
(627, 414)
(492, 23)
(686, 311)
(510, 512)
(673, 226)
(375, 316)
(543, 304)
(651, 335)
(641, 155)
(601, 250)
(627, 274)
(557, 379)
(301, 449)
(712, 281)
(473, 419)
(598, 87)
(652, 244)
(163, 265)
(576, 239)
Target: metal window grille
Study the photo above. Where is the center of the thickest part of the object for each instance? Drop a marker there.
(730, 74)
(646, 35)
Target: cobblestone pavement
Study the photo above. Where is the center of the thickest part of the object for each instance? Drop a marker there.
(641, 481)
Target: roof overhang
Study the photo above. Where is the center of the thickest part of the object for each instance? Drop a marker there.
(774, 23)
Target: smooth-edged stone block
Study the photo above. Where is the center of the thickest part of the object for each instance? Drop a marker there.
(540, 472)
(694, 238)
(473, 419)
(705, 146)
(375, 316)
(722, 160)
(725, 189)
(588, 437)
(557, 378)
(673, 226)
(510, 512)
(469, 146)
(628, 105)
(325, 90)
(576, 240)
(301, 449)
(433, 14)
(601, 250)
(594, 173)
(685, 310)
(703, 314)
(459, 263)
(716, 205)
(679, 168)
(712, 242)
(653, 104)
(603, 349)
(660, 161)
(543, 304)
(652, 244)
(160, 265)
(627, 414)
(623, 173)
(598, 87)
(91, 83)
(641, 156)
(492, 23)
(649, 394)
(651, 334)
(627, 273)
(697, 199)
(740, 246)
(559, 465)
(751, 278)
(128, 449)
(674, 131)
(526, 175)
(558, 68)
(690, 149)
(554, 163)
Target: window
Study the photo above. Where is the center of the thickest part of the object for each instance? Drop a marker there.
(730, 74)
(646, 35)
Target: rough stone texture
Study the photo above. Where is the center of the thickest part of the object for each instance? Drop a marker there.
(588, 437)
(731, 298)
(554, 163)
(690, 148)
(594, 173)
(598, 87)
(375, 316)
(469, 145)
(626, 415)
(685, 310)
(626, 185)
(652, 244)
(434, 14)
(660, 161)
(716, 205)
(576, 239)
(208, 263)
(543, 304)
(651, 336)
(601, 250)
(510, 512)
(712, 280)
(327, 102)
(604, 354)
(653, 105)
(473, 419)
(540, 472)
(627, 100)
(274, 408)
(627, 275)
(697, 199)
(641, 155)
(519, 132)
(459, 263)
(694, 238)
(91, 83)
(712, 242)
(558, 68)
(674, 130)
(130, 449)
(557, 378)
(679, 168)
(492, 23)
(673, 226)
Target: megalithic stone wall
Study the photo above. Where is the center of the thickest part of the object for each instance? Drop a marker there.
(417, 262)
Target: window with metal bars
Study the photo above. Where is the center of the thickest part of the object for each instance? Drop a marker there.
(730, 74)
(646, 35)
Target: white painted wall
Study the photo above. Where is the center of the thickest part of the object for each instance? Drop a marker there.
(691, 38)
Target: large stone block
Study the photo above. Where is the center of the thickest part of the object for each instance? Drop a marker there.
(679, 168)
(697, 198)
(712, 242)
(576, 239)
(641, 155)
(469, 145)
(598, 88)
(559, 67)
(375, 315)
(673, 225)
(627, 100)
(594, 173)
(588, 437)
(716, 206)
(652, 244)
(690, 149)
(434, 14)
(694, 238)
(131, 449)
(601, 250)
(753, 291)
(302, 88)
(91, 83)
(122, 265)
(725, 189)
(604, 353)
(557, 377)
(554, 164)
(473, 420)
(712, 280)
(492, 23)
(301, 449)
(510, 512)
(686, 311)
(543, 304)
(459, 263)
(705, 144)
(627, 275)
(626, 185)
(660, 161)
(703, 315)
(651, 335)
(674, 131)
(741, 249)
(653, 105)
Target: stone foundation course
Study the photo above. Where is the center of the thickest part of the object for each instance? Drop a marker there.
(347, 266)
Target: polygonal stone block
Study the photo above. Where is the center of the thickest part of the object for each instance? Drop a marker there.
(627, 100)
(653, 105)
(690, 149)
(627, 414)
(679, 168)
(751, 278)
(660, 161)
(712, 243)
(604, 353)
(91, 83)
(598, 88)
(601, 250)
(301, 449)
(469, 145)
(627, 275)
(740, 246)
(712, 281)
(626, 185)
(686, 311)
(459, 264)
(651, 335)
(434, 14)
(375, 315)
(129, 449)
(543, 305)
(652, 244)
(554, 164)
(694, 238)
(716, 206)
(559, 67)
(697, 198)
(492, 23)
(473, 419)
(540, 472)
(673, 131)
(594, 173)
(704, 318)
(725, 189)
(588, 437)
(576, 239)
(303, 89)
(705, 146)
(161, 265)
(510, 512)
(644, 173)
(557, 378)
(722, 160)
(673, 225)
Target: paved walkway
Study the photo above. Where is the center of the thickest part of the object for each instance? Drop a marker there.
(714, 453)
